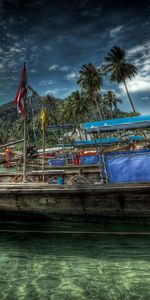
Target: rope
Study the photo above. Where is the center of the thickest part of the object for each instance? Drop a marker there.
(79, 179)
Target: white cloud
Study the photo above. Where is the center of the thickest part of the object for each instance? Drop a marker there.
(64, 89)
(13, 64)
(71, 76)
(103, 90)
(57, 91)
(146, 67)
(140, 57)
(46, 82)
(1, 66)
(33, 71)
(139, 83)
(13, 49)
(139, 48)
(64, 68)
(52, 92)
(58, 68)
(115, 30)
(145, 98)
(53, 68)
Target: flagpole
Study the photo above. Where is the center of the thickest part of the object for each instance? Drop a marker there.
(43, 124)
(25, 140)
(43, 162)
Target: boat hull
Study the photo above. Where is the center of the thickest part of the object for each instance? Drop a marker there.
(59, 202)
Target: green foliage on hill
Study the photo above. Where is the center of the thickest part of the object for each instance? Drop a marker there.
(71, 110)
(86, 104)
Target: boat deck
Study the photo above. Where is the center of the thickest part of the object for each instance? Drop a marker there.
(45, 187)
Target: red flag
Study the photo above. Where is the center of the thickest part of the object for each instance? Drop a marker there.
(22, 92)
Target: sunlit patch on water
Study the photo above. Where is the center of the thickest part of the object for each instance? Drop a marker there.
(74, 265)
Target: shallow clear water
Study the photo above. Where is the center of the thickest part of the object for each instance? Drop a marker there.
(38, 263)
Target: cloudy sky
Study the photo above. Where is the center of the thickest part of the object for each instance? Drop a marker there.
(55, 38)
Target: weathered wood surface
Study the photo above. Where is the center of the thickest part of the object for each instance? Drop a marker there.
(132, 187)
(92, 200)
(92, 173)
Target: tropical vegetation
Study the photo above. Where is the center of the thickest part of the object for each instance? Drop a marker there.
(86, 104)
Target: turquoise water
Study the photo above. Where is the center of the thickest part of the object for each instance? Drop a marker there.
(74, 261)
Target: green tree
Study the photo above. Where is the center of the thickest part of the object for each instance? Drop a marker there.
(120, 69)
(111, 101)
(73, 110)
(51, 105)
(90, 81)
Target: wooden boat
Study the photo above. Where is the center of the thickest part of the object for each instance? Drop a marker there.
(105, 194)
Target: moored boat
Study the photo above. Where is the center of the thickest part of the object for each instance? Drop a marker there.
(121, 186)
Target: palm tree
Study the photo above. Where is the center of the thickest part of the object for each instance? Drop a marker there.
(90, 81)
(73, 110)
(120, 69)
(51, 105)
(110, 100)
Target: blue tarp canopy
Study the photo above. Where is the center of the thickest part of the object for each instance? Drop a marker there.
(109, 140)
(104, 141)
(136, 138)
(117, 124)
(129, 167)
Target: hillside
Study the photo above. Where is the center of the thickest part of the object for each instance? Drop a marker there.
(11, 125)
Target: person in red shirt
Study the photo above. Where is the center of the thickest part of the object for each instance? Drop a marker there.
(7, 153)
(76, 160)
(133, 145)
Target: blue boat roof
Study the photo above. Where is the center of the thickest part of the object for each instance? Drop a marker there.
(136, 138)
(117, 124)
(105, 141)
(109, 140)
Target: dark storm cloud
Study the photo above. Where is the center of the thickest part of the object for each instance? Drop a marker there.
(64, 35)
